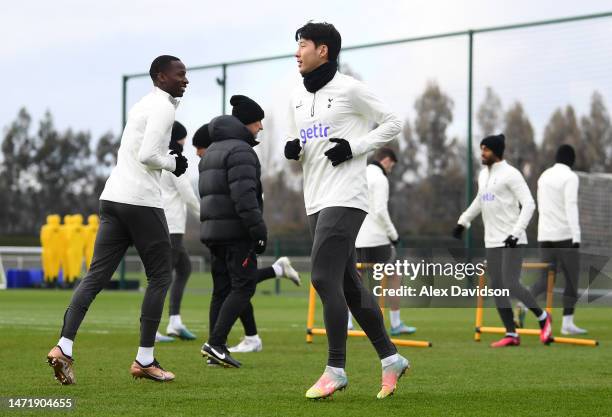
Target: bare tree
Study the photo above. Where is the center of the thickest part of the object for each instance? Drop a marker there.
(49, 172)
(597, 135)
(563, 128)
(521, 149)
(434, 113)
(490, 113)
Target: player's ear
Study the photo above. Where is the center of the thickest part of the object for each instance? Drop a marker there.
(323, 51)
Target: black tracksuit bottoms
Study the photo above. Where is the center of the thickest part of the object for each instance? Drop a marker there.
(504, 267)
(338, 283)
(234, 272)
(567, 258)
(122, 225)
(182, 270)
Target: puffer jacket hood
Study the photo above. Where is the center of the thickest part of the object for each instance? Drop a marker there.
(229, 127)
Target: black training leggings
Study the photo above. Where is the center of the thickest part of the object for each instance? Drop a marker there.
(337, 281)
(247, 317)
(234, 282)
(562, 255)
(504, 267)
(122, 225)
(182, 270)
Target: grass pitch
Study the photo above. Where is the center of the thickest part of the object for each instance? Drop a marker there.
(457, 377)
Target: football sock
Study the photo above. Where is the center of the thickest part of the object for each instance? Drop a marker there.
(394, 316)
(389, 359)
(145, 356)
(66, 346)
(335, 371)
(542, 319)
(176, 322)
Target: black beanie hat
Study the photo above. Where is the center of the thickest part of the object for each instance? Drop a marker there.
(566, 155)
(496, 143)
(246, 109)
(178, 132)
(201, 138)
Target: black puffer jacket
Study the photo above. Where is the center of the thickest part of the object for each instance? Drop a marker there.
(231, 207)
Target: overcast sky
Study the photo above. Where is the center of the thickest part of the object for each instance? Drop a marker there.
(68, 56)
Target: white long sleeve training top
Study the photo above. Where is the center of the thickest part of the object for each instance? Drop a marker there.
(178, 197)
(501, 189)
(343, 108)
(377, 228)
(143, 152)
(558, 205)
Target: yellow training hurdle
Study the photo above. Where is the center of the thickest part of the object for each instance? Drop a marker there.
(312, 331)
(479, 328)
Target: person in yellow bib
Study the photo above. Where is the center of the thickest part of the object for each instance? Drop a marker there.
(50, 241)
(73, 249)
(55, 246)
(65, 264)
(45, 246)
(76, 249)
(90, 231)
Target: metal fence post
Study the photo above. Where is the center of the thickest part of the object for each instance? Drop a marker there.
(222, 82)
(469, 175)
(123, 123)
(276, 256)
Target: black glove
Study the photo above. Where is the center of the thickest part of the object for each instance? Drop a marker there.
(181, 164)
(576, 245)
(458, 231)
(259, 234)
(396, 242)
(293, 149)
(260, 246)
(511, 242)
(339, 153)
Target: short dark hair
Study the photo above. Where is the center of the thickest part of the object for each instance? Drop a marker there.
(322, 34)
(383, 153)
(160, 64)
(566, 155)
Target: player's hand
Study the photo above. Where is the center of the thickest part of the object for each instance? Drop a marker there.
(510, 242)
(458, 231)
(293, 149)
(340, 153)
(260, 246)
(396, 242)
(181, 164)
(259, 235)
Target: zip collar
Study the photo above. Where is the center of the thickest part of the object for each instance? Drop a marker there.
(497, 165)
(175, 102)
(561, 165)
